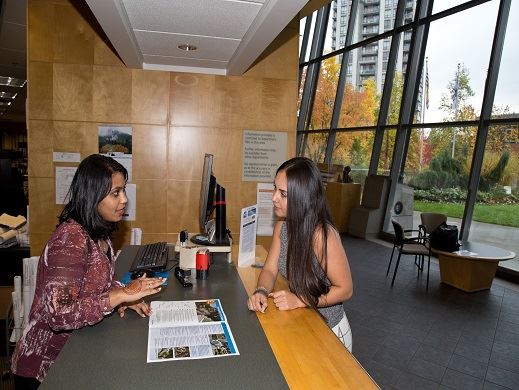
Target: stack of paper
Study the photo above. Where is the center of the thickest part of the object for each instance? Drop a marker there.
(9, 227)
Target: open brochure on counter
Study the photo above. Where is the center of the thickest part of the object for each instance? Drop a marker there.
(180, 330)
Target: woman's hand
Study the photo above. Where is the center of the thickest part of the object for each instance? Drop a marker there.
(257, 302)
(141, 308)
(285, 300)
(134, 291)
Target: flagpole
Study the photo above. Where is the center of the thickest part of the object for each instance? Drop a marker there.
(455, 98)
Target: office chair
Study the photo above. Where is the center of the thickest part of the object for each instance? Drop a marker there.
(416, 246)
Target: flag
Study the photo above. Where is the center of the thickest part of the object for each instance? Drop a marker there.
(426, 84)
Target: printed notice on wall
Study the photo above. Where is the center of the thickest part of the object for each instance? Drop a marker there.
(266, 217)
(263, 153)
(64, 176)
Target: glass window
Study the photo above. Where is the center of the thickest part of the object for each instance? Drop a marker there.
(354, 148)
(506, 99)
(314, 146)
(325, 93)
(386, 153)
(360, 105)
(396, 95)
(456, 93)
(495, 220)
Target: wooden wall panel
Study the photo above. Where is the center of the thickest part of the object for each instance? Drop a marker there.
(72, 92)
(150, 97)
(112, 94)
(40, 93)
(76, 83)
(150, 144)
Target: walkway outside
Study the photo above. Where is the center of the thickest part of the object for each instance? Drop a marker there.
(502, 236)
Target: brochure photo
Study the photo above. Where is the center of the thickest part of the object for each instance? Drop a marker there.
(189, 330)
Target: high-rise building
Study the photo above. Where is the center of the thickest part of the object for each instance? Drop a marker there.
(373, 18)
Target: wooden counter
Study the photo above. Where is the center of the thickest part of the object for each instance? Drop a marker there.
(308, 352)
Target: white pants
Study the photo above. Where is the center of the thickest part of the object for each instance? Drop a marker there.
(343, 332)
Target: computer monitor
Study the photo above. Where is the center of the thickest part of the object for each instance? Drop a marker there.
(212, 199)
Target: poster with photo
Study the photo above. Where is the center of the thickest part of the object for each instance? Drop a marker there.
(116, 142)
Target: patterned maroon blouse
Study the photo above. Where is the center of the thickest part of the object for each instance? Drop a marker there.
(72, 285)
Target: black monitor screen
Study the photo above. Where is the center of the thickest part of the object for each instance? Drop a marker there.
(207, 189)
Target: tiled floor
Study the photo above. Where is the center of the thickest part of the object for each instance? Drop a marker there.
(408, 338)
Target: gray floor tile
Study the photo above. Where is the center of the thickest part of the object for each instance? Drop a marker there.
(508, 337)
(505, 361)
(493, 386)
(408, 381)
(468, 366)
(433, 355)
(473, 351)
(460, 381)
(384, 375)
(392, 357)
(427, 370)
(502, 377)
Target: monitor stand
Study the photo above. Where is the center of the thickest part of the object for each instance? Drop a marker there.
(203, 239)
(188, 250)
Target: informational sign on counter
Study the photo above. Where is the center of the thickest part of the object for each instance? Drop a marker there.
(263, 153)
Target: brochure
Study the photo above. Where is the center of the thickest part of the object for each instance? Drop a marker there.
(180, 330)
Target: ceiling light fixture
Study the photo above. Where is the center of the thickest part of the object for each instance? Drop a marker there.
(4, 104)
(12, 81)
(8, 95)
(187, 47)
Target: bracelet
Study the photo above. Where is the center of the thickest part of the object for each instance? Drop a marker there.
(262, 290)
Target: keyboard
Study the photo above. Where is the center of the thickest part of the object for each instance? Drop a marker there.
(151, 256)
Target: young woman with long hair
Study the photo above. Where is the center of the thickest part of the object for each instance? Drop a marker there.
(306, 249)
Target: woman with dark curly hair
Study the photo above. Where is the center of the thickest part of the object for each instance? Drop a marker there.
(75, 284)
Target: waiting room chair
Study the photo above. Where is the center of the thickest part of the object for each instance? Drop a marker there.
(417, 246)
(431, 221)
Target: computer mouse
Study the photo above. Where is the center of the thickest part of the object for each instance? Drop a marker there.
(137, 274)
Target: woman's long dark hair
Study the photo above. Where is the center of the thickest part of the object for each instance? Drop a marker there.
(90, 185)
(307, 219)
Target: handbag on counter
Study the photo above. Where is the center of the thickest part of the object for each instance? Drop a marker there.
(445, 238)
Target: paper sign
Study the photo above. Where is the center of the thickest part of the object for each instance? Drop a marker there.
(64, 176)
(248, 225)
(66, 157)
(266, 217)
(130, 210)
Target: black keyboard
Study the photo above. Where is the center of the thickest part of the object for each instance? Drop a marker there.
(151, 256)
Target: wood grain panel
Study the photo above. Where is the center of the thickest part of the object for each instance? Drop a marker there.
(43, 208)
(112, 94)
(151, 206)
(150, 97)
(243, 99)
(280, 59)
(195, 100)
(187, 146)
(72, 92)
(278, 97)
(182, 206)
(40, 26)
(40, 148)
(149, 145)
(104, 55)
(73, 37)
(78, 137)
(40, 90)
(38, 242)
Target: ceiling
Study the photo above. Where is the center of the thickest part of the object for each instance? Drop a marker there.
(229, 34)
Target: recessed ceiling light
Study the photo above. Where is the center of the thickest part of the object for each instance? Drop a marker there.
(187, 47)
(11, 81)
(8, 95)
(4, 104)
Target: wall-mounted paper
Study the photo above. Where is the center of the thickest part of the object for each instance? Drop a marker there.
(266, 217)
(66, 157)
(116, 142)
(263, 153)
(64, 176)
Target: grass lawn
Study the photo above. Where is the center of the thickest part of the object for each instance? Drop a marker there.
(501, 214)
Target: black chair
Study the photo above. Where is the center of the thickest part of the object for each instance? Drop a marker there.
(417, 246)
